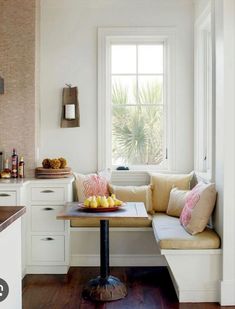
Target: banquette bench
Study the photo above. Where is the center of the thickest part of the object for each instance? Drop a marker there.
(193, 261)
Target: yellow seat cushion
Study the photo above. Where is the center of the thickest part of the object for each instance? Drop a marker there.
(170, 234)
(117, 222)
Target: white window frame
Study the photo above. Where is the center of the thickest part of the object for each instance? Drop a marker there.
(203, 97)
(107, 36)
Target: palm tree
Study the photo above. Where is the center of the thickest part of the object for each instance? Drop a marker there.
(137, 129)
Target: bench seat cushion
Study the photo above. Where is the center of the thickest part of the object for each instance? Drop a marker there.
(118, 222)
(170, 234)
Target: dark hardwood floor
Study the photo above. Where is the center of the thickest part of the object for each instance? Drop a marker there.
(148, 288)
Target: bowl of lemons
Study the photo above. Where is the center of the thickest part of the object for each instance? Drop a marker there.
(101, 203)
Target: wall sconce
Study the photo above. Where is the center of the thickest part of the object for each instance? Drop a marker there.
(70, 116)
(1, 85)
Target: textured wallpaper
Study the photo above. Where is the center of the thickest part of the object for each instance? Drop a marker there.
(17, 67)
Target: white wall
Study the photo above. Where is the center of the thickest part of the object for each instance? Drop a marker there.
(68, 54)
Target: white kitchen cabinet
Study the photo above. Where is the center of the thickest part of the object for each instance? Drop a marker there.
(48, 249)
(48, 238)
(48, 194)
(13, 192)
(43, 219)
(10, 264)
(8, 198)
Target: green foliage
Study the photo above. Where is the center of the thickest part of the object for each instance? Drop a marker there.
(151, 94)
(138, 129)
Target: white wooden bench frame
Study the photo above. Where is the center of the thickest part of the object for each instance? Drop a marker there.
(196, 274)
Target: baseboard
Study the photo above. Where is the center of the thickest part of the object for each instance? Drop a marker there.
(47, 269)
(227, 293)
(199, 296)
(119, 260)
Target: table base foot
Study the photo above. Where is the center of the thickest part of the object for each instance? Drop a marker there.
(108, 289)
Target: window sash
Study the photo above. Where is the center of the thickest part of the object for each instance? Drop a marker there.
(136, 76)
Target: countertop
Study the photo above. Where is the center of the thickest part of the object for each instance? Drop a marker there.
(8, 214)
(19, 182)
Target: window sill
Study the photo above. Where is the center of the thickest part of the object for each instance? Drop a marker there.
(204, 176)
(135, 177)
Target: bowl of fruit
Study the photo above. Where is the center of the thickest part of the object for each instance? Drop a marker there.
(101, 203)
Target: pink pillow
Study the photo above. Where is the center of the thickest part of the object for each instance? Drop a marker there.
(199, 204)
(91, 184)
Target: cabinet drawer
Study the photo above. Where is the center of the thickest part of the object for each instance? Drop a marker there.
(51, 194)
(7, 198)
(44, 219)
(48, 248)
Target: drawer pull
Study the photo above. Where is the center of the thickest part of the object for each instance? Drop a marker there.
(47, 238)
(48, 208)
(47, 191)
(4, 194)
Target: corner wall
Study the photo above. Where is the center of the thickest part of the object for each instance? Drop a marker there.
(17, 60)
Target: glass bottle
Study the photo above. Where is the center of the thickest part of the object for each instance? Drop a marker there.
(21, 167)
(14, 162)
(6, 173)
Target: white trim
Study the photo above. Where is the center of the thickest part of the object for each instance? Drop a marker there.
(226, 14)
(107, 35)
(38, 269)
(37, 84)
(119, 260)
(227, 293)
(208, 177)
(201, 19)
(191, 252)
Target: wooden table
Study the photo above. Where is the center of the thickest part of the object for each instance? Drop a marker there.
(105, 287)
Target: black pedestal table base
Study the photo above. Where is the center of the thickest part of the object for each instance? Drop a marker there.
(104, 287)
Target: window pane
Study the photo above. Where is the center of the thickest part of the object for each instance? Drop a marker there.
(124, 90)
(150, 59)
(123, 59)
(137, 135)
(150, 89)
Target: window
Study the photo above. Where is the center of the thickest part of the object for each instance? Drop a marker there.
(134, 101)
(203, 96)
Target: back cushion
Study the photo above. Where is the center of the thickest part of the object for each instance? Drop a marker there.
(198, 208)
(162, 185)
(91, 184)
(176, 202)
(134, 194)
